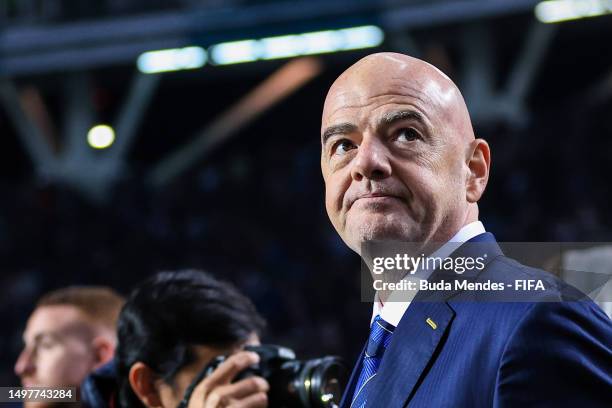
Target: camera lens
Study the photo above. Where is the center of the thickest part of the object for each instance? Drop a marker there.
(322, 382)
(316, 383)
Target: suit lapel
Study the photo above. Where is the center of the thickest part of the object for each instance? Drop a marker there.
(413, 345)
(417, 337)
(420, 332)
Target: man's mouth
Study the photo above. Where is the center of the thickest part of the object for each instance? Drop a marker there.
(377, 198)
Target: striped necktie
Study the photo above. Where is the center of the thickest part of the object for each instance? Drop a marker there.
(380, 337)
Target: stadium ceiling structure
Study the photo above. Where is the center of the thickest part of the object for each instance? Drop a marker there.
(42, 38)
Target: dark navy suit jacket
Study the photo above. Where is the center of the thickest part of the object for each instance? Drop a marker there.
(496, 354)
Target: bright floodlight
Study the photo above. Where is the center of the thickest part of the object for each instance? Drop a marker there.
(322, 42)
(362, 37)
(234, 52)
(284, 46)
(294, 45)
(555, 11)
(171, 60)
(100, 136)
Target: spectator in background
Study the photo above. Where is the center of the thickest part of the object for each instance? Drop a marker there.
(71, 332)
(171, 327)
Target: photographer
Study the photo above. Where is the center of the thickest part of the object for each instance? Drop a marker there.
(171, 327)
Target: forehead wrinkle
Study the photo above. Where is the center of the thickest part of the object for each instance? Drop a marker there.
(368, 88)
(398, 87)
(396, 99)
(370, 99)
(436, 98)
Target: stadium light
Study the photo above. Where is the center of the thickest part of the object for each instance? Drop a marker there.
(234, 52)
(294, 45)
(554, 11)
(280, 47)
(321, 42)
(174, 59)
(362, 37)
(100, 136)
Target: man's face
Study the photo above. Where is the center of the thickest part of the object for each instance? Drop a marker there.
(58, 348)
(394, 169)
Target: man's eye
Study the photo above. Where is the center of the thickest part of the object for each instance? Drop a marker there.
(407, 135)
(343, 146)
(45, 344)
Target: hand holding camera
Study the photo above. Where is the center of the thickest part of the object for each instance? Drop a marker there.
(290, 383)
(218, 390)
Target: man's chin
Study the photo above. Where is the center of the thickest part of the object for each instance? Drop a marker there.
(380, 233)
(48, 404)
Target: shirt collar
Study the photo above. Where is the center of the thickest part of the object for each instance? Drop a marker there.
(392, 312)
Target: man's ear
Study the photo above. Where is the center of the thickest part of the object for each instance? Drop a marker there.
(142, 380)
(479, 163)
(104, 350)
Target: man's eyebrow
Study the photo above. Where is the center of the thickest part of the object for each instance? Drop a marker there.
(35, 340)
(39, 337)
(340, 129)
(392, 117)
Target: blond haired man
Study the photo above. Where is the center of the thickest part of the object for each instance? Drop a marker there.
(71, 332)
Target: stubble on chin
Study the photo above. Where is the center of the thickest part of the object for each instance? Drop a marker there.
(359, 233)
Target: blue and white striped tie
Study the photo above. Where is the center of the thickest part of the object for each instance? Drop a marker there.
(380, 337)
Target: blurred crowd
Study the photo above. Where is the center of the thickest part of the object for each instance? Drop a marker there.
(254, 214)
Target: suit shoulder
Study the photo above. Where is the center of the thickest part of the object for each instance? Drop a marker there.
(559, 352)
(512, 269)
(508, 270)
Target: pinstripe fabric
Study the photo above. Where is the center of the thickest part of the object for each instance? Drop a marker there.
(380, 337)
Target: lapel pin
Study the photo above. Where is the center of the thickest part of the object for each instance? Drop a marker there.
(431, 323)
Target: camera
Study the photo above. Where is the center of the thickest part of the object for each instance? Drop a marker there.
(316, 383)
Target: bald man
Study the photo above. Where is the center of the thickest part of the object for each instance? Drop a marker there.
(401, 163)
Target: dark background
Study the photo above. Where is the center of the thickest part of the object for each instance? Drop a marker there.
(252, 210)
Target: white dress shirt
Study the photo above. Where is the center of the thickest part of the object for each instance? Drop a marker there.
(392, 311)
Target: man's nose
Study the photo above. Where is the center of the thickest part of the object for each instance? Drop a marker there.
(372, 161)
(25, 363)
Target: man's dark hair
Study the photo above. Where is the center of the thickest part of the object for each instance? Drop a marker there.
(172, 311)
